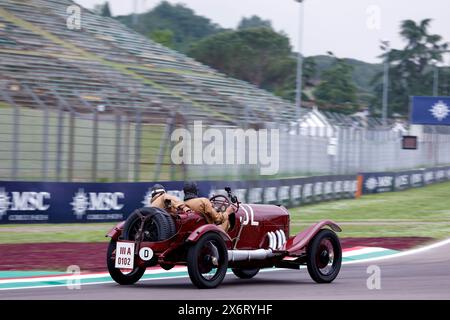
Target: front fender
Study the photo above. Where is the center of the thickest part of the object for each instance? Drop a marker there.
(116, 231)
(301, 240)
(200, 231)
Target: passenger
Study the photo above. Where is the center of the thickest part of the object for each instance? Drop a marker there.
(170, 203)
(204, 206)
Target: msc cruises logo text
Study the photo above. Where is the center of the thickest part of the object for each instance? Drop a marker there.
(373, 183)
(23, 201)
(102, 201)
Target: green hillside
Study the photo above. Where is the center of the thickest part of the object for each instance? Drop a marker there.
(363, 72)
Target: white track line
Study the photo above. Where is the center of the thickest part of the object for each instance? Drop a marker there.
(403, 253)
(73, 277)
(392, 256)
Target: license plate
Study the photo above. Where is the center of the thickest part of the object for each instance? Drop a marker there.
(125, 255)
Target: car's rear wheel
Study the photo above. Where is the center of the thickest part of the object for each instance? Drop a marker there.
(123, 277)
(159, 226)
(324, 256)
(245, 273)
(207, 261)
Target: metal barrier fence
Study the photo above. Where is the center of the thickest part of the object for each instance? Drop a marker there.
(93, 141)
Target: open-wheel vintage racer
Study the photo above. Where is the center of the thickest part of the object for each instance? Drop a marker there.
(258, 238)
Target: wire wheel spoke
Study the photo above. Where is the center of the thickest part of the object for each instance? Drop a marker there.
(209, 260)
(150, 231)
(325, 257)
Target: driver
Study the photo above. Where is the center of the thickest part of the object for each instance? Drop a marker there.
(163, 200)
(204, 206)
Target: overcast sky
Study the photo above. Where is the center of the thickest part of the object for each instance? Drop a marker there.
(349, 28)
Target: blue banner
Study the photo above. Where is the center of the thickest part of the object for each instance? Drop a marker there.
(54, 202)
(379, 182)
(430, 111)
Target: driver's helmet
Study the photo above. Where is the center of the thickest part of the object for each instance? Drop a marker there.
(157, 189)
(190, 190)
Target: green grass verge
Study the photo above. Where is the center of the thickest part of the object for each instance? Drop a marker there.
(417, 212)
(43, 233)
(431, 203)
(441, 231)
(421, 212)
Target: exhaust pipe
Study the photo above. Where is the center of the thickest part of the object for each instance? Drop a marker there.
(276, 241)
(248, 255)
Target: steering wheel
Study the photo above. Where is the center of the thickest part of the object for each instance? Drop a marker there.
(220, 202)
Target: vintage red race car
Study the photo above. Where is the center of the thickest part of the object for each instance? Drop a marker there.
(258, 238)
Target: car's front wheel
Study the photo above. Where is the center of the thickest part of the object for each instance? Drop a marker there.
(207, 261)
(324, 256)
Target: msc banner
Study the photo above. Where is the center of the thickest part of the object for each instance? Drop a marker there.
(397, 181)
(53, 202)
(430, 110)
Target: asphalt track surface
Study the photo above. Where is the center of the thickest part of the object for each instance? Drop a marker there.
(422, 275)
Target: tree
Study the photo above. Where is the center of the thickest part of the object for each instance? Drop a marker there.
(103, 9)
(287, 89)
(444, 81)
(411, 69)
(337, 90)
(186, 26)
(259, 55)
(254, 22)
(164, 37)
(106, 11)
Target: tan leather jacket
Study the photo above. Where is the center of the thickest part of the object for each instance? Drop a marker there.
(175, 203)
(204, 206)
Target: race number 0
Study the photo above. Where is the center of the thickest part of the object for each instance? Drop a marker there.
(146, 254)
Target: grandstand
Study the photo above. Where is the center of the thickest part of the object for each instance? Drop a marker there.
(106, 63)
(99, 104)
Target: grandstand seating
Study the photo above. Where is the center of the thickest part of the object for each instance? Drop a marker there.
(107, 62)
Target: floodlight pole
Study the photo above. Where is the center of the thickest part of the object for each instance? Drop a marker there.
(298, 100)
(135, 13)
(436, 74)
(436, 81)
(385, 47)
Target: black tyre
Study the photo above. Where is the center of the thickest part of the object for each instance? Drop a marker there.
(207, 261)
(159, 228)
(324, 256)
(245, 273)
(120, 276)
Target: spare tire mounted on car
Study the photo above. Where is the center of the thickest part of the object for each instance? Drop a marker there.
(158, 225)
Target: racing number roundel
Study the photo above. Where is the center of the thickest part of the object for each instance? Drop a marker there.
(146, 254)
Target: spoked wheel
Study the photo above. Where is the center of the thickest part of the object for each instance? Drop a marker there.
(121, 276)
(324, 256)
(208, 261)
(245, 273)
